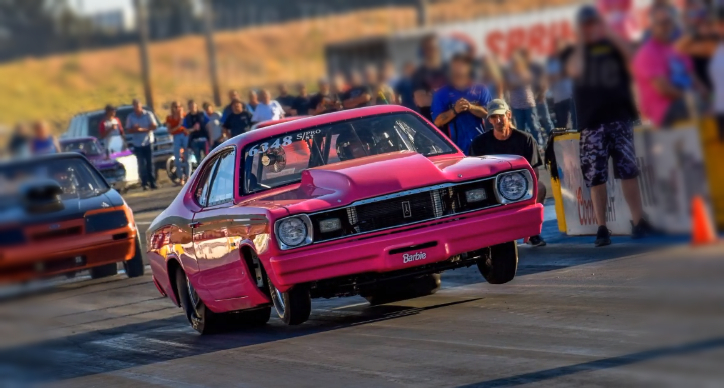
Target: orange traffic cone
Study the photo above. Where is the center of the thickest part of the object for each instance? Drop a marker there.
(702, 229)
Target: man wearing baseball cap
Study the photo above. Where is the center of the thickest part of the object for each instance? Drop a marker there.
(504, 139)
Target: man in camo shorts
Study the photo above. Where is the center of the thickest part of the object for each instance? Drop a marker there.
(606, 111)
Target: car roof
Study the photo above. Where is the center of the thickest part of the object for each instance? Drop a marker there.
(75, 139)
(44, 158)
(269, 123)
(102, 111)
(315, 121)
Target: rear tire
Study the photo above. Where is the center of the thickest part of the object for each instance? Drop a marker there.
(135, 267)
(104, 271)
(200, 317)
(414, 288)
(500, 263)
(293, 306)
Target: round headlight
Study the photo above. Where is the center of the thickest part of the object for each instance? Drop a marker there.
(292, 231)
(513, 186)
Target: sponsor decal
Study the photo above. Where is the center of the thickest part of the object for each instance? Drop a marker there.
(409, 258)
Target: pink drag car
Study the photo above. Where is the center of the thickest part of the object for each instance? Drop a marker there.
(372, 201)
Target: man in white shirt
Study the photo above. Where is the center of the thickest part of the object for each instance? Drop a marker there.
(267, 109)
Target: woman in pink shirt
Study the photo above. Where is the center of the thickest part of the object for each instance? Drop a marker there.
(662, 75)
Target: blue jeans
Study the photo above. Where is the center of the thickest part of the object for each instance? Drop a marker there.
(197, 145)
(544, 116)
(179, 143)
(144, 157)
(527, 120)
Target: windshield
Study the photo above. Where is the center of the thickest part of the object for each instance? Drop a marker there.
(86, 147)
(75, 176)
(280, 160)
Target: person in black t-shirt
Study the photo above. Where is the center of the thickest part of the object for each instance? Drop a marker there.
(325, 101)
(429, 77)
(606, 111)
(504, 139)
(358, 95)
(238, 122)
(285, 99)
(301, 104)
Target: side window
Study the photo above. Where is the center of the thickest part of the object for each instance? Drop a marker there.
(222, 186)
(202, 189)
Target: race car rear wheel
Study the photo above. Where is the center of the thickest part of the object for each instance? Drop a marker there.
(499, 264)
(135, 267)
(104, 271)
(293, 306)
(201, 318)
(404, 289)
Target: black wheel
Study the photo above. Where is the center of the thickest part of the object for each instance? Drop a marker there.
(171, 170)
(252, 318)
(135, 267)
(499, 264)
(293, 306)
(404, 289)
(201, 318)
(104, 271)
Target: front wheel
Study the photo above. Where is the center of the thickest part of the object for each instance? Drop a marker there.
(104, 271)
(293, 306)
(135, 267)
(404, 289)
(500, 263)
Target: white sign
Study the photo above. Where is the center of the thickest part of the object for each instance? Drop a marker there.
(672, 173)
(502, 34)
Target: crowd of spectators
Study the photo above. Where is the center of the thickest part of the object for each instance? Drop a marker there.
(601, 84)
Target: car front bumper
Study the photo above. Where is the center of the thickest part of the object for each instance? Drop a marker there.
(69, 255)
(418, 245)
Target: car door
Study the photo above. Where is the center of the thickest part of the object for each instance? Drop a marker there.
(219, 266)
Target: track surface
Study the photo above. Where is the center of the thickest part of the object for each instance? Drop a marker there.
(632, 314)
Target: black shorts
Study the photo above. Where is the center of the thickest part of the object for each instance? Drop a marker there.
(598, 144)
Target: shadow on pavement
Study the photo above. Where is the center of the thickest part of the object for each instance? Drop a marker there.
(606, 363)
(162, 340)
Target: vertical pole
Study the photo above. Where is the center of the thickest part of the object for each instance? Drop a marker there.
(211, 51)
(422, 13)
(142, 21)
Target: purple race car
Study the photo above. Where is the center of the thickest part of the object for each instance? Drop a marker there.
(118, 166)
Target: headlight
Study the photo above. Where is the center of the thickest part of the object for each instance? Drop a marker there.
(475, 195)
(330, 225)
(293, 232)
(100, 222)
(514, 186)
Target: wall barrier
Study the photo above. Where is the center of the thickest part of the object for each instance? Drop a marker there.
(673, 171)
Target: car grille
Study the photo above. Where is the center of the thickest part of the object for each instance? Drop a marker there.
(404, 208)
(58, 233)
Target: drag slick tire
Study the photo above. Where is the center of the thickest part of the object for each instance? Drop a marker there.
(135, 267)
(104, 271)
(200, 317)
(206, 321)
(500, 263)
(404, 289)
(293, 306)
